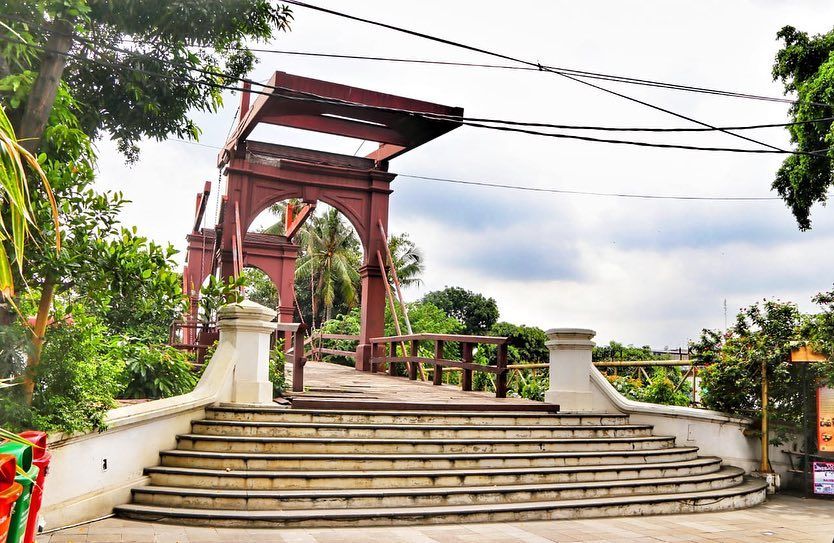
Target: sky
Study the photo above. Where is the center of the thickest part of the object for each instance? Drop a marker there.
(646, 272)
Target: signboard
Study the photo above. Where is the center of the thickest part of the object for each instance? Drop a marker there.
(825, 419)
(805, 354)
(823, 478)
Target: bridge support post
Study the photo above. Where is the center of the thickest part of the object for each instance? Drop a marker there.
(570, 368)
(247, 327)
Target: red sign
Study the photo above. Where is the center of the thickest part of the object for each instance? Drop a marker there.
(825, 419)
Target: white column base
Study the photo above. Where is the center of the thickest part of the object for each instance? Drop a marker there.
(569, 400)
(253, 392)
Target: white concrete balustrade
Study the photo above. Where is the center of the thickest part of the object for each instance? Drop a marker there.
(91, 473)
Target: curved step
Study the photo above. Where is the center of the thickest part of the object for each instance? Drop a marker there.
(412, 431)
(267, 461)
(277, 414)
(257, 500)
(750, 492)
(264, 480)
(425, 446)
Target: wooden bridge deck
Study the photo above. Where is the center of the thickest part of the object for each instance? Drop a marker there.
(327, 384)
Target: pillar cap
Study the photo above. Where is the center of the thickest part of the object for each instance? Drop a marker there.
(247, 309)
(570, 338)
(572, 333)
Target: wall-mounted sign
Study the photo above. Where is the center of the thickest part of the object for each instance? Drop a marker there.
(823, 478)
(825, 419)
(805, 354)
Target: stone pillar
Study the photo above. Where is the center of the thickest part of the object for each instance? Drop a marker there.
(570, 368)
(247, 327)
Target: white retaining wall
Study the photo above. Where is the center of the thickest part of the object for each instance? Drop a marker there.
(79, 488)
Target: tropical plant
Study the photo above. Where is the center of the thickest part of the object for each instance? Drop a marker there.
(330, 262)
(408, 260)
(153, 371)
(16, 215)
(217, 293)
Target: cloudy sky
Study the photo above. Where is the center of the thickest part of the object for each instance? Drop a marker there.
(639, 271)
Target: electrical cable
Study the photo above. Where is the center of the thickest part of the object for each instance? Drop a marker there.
(555, 190)
(521, 61)
(429, 116)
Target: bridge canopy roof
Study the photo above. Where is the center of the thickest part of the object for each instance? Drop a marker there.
(397, 123)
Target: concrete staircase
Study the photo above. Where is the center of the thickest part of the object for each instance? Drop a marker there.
(277, 467)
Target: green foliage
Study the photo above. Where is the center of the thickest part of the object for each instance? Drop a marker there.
(408, 260)
(277, 366)
(153, 371)
(526, 343)
(260, 288)
(217, 293)
(762, 335)
(805, 65)
(148, 55)
(618, 351)
(329, 263)
(659, 389)
(78, 376)
(476, 312)
(136, 286)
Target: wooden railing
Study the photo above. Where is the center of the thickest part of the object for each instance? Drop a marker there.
(385, 349)
(316, 343)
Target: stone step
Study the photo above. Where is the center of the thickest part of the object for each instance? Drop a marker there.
(749, 493)
(352, 479)
(257, 444)
(359, 399)
(266, 461)
(264, 500)
(277, 414)
(412, 431)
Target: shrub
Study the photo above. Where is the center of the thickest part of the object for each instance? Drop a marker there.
(153, 371)
(78, 376)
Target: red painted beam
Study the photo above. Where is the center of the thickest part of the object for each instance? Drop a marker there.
(340, 127)
(299, 220)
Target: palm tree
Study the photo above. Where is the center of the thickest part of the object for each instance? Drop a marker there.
(408, 260)
(330, 258)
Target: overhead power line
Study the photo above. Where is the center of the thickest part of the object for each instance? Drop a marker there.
(579, 73)
(307, 97)
(555, 190)
(538, 65)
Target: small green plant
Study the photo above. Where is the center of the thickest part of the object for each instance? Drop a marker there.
(277, 365)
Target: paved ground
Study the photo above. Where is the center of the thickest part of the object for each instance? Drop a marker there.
(781, 519)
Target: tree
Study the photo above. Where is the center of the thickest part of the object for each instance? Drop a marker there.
(762, 337)
(805, 66)
(158, 60)
(526, 342)
(476, 312)
(408, 260)
(329, 263)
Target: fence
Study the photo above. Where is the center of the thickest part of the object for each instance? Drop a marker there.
(386, 350)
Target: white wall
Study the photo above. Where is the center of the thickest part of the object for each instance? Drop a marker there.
(79, 489)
